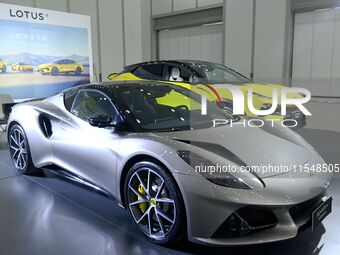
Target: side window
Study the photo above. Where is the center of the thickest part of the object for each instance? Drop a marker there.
(150, 72)
(89, 104)
(178, 73)
(69, 97)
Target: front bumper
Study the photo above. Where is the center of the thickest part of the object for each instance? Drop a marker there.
(44, 70)
(208, 208)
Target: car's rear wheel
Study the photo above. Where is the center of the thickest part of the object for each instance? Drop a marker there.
(4, 68)
(20, 150)
(55, 71)
(78, 71)
(155, 203)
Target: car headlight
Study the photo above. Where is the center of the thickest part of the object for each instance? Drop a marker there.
(261, 96)
(202, 166)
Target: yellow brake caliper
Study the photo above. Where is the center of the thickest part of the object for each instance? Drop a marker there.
(142, 206)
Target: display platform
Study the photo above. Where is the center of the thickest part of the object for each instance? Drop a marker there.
(47, 215)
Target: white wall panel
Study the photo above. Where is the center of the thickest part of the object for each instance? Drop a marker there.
(146, 29)
(29, 3)
(335, 82)
(111, 31)
(316, 59)
(206, 43)
(183, 44)
(133, 33)
(303, 49)
(238, 35)
(183, 5)
(322, 52)
(59, 5)
(217, 44)
(161, 6)
(194, 43)
(173, 44)
(89, 7)
(197, 43)
(270, 34)
(163, 44)
(208, 2)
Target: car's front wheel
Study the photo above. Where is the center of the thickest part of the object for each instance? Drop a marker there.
(20, 150)
(55, 71)
(4, 68)
(155, 203)
(78, 71)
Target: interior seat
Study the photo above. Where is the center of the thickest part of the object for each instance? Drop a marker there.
(175, 74)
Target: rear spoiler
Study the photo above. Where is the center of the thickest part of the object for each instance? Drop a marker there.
(7, 109)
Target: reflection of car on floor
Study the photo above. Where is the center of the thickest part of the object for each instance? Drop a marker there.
(22, 67)
(214, 76)
(61, 66)
(124, 140)
(3, 67)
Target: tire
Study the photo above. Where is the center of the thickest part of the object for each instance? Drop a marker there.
(19, 148)
(54, 71)
(161, 203)
(78, 71)
(4, 68)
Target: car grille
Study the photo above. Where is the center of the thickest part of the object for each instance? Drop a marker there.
(301, 213)
(246, 221)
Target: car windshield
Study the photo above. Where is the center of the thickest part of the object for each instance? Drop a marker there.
(164, 108)
(217, 74)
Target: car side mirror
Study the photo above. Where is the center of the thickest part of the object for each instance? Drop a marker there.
(101, 121)
(119, 124)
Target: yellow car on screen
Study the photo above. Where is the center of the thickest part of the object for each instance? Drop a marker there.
(3, 66)
(22, 67)
(63, 66)
(210, 78)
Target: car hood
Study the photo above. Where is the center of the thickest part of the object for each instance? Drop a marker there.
(265, 146)
(265, 90)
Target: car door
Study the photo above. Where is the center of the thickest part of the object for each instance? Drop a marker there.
(87, 151)
(70, 66)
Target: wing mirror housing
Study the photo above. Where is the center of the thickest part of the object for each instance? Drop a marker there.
(101, 121)
(104, 121)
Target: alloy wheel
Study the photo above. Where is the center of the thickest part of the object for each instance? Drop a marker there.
(18, 148)
(151, 203)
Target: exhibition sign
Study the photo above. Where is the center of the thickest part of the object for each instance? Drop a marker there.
(43, 52)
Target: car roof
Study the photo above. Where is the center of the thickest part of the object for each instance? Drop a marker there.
(112, 86)
(185, 62)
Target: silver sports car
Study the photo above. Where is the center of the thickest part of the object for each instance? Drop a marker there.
(147, 146)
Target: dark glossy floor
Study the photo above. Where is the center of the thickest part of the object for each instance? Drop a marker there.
(45, 215)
